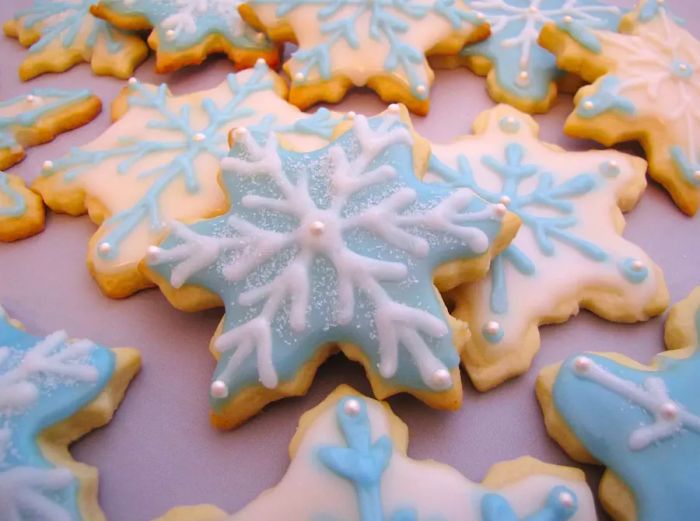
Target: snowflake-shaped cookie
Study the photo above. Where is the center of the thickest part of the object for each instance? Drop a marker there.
(568, 252)
(185, 32)
(40, 116)
(646, 84)
(520, 72)
(159, 162)
(349, 462)
(63, 33)
(45, 382)
(21, 210)
(336, 245)
(642, 423)
(377, 43)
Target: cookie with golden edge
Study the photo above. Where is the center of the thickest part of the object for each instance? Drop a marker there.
(349, 461)
(380, 45)
(59, 35)
(159, 161)
(21, 210)
(39, 117)
(641, 422)
(185, 32)
(569, 251)
(645, 87)
(54, 390)
(334, 249)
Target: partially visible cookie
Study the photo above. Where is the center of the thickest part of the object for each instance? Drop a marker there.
(569, 251)
(381, 45)
(349, 461)
(39, 117)
(518, 70)
(21, 210)
(646, 86)
(185, 32)
(641, 422)
(61, 34)
(53, 390)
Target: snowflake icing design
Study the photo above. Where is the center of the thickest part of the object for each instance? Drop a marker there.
(397, 33)
(41, 381)
(333, 245)
(523, 68)
(644, 425)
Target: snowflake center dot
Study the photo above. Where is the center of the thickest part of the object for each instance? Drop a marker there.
(682, 69)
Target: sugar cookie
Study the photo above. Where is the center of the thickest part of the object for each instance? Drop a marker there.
(646, 86)
(159, 161)
(21, 210)
(61, 34)
(569, 251)
(53, 390)
(641, 422)
(381, 45)
(185, 32)
(333, 246)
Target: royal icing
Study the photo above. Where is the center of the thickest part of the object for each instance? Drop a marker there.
(520, 66)
(160, 160)
(363, 39)
(349, 462)
(569, 243)
(641, 423)
(651, 83)
(21, 112)
(68, 32)
(12, 203)
(43, 381)
(337, 244)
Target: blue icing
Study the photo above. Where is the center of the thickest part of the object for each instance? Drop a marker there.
(633, 271)
(390, 22)
(60, 99)
(63, 378)
(649, 9)
(67, 28)
(192, 21)
(687, 169)
(607, 98)
(522, 67)
(188, 141)
(662, 474)
(495, 507)
(394, 264)
(17, 206)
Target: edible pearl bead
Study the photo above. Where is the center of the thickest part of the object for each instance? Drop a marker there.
(582, 364)
(152, 253)
(566, 500)
(421, 89)
(218, 389)
(637, 265)
(505, 200)
(299, 76)
(104, 248)
(48, 165)
(568, 19)
(500, 210)
(240, 133)
(259, 62)
(523, 78)
(351, 115)
(532, 9)
(132, 81)
(492, 327)
(696, 175)
(588, 105)
(317, 227)
(31, 98)
(351, 407)
(170, 34)
(394, 108)
(441, 378)
(199, 136)
(669, 411)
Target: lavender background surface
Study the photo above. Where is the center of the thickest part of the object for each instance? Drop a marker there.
(160, 451)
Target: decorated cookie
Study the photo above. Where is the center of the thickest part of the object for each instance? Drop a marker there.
(381, 45)
(646, 86)
(349, 462)
(641, 422)
(518, 70)
(21, 210)
(339, 246)
(185, 32)
(63, 33)
(568, 252)
(53, 390)
(159, 161)
(39, 117)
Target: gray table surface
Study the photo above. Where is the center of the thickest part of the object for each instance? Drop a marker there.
(160, 451)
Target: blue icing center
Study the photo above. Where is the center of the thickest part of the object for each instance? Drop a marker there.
(682, 69)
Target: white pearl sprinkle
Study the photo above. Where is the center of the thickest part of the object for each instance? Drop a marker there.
(260, 37)
(441, 378)
(199, 136)
(523, 78)
(533, 9)
(351, 115)
(152, 253)
(683, 67)
(48, 165)
(132, 81)
(170, 34)
(568, 19)
(696, 175)
(317, 227)
(260, 61)
(492, 327)
(299, 76)
(566, 500)
(31, 98)
(637, 265)
(394, 108)
(505, 200)
(351, 407)
(588, 105)
(421, 89)
(240, 133)
(104, 248)
(218, 389)
(500, 210)
(582, 364)
(669, 411)
(480, 16)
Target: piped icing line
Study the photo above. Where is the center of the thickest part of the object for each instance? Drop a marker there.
(645, 82)
(348, 461)
(524, 71)
(47, 382)
(334, 245)
(61, 33)
(12, 203)
(21, 210)
(569, 243)
(642, 423)
(159, 162)
(186, 31)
